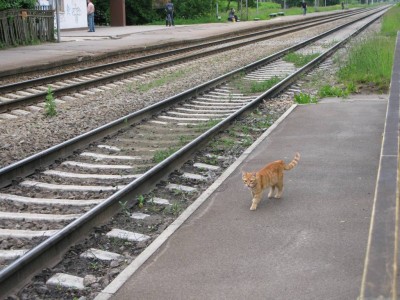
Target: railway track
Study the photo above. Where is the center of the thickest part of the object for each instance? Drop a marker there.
(75, 84)
(58, 206)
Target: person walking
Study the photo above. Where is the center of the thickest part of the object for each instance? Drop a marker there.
(90, 15)
(304, 6)
(169, 8)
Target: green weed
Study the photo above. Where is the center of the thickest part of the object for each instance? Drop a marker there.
(140, 201)
(174, 209)
(124, 208)
(332, 91)
(50, 105)
(160, 155)
(304, 98)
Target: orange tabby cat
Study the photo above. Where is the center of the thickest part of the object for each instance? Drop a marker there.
(270, 176)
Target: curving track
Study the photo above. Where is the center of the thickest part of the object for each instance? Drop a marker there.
(67, 199)
(76, 83)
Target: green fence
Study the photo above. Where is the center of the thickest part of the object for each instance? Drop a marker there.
(25, 26)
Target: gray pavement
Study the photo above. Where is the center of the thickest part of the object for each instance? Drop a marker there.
(78, 45)
(308, 245)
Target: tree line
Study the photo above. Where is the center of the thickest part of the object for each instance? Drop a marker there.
(145, 11)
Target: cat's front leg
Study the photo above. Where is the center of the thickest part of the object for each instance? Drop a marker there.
(253, 205)
(255, 202)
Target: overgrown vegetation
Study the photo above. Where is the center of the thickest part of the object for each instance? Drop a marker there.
(370, 62)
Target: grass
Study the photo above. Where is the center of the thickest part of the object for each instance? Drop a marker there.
(160, 82)
(262, 13)
(332, 91)
(304, 98)
(370, 61)
(299, 59)
(160, 155)
(209, 124)
(250, 87)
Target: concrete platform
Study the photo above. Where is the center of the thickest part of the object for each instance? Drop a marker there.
(79, 45)
(310, 244)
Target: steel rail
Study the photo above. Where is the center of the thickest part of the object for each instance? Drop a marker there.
(28, 165)
(32, 99)
(48, 253)
(311, 19)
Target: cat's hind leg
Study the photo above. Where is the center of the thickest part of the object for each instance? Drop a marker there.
(271, 191)
(279, 191)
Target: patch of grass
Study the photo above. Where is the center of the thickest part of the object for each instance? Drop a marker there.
(50, 105)
(391, 22)
(174, 209)
(263, 123)
(247, 141)
(184, 139)
(304, 98)
(369, 62)
(250, 87)
(160, 155)
(299, 59)
(206, 125)
(263, 11)
(212, 160)
(332, 91)
(161, 81)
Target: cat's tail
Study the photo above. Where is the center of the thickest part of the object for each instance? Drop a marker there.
(293, 163)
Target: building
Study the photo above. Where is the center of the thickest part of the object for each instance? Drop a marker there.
(72, 13)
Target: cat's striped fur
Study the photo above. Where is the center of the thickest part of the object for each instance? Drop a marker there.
(270, 176)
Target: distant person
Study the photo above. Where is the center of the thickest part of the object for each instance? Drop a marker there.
(90, 15)
(342, 5)
(304, 7)
(232, 17)
(169, 9)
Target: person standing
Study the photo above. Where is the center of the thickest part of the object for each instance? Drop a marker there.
(90, 15)
(304, 6)
(169, 8)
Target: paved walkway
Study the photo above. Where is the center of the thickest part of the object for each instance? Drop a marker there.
(308, 245)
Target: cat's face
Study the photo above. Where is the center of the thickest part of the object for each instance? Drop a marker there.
(249, 179)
